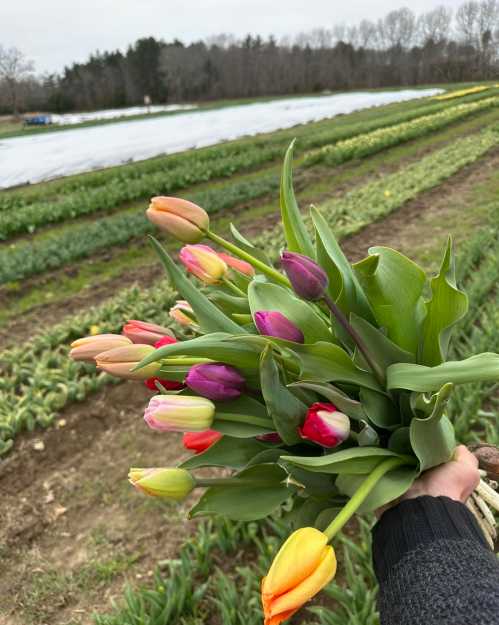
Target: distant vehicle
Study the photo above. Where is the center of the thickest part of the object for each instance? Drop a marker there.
(38, 120)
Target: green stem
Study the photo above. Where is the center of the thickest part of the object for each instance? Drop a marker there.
(360, 495)
(257, 264)
(343, 321)
(227, 481)
(239, 418)
(184, 361)
(235, 289)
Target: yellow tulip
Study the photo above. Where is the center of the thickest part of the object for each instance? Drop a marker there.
(173, 484)
(302, 567)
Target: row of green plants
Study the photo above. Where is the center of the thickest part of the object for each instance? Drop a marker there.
(37, 379)
(370, 143)
(103, 191)
(357, 208)
(194, 586)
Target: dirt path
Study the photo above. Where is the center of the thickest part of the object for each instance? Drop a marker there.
(72, 530)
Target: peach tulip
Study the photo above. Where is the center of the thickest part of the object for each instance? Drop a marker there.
(87, 348)
(185, 220)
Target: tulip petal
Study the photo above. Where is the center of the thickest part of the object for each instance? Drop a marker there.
(308, 588)
(296, 560)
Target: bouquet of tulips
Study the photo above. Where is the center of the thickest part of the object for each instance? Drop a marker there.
(319, 386)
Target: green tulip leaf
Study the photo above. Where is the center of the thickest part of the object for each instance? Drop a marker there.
(226, 452)
(400, 441)
(261, 491)
(286, 410)
(346, 404)
(229, 303)
(432, 438)
(391, 486)
(267, 296)
(217, 346)
(394, 287)
(356, 460)
(447, 306)
(380, 409)
(297, 237)
(243, 417)
(480, 368)
(247, 246)
(325, 362)
(210, 318)
(344, 286)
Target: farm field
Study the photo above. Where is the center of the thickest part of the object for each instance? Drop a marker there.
(74, 260)
(59, 154)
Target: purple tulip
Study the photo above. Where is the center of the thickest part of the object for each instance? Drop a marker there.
(217, 382)
(274, 323)
(307, 278)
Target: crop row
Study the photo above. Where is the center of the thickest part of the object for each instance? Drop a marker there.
(105, 190)
(370, 143)
(192, 586)
(31, 258)
(18, 261)
(461, 93)
(37, 379)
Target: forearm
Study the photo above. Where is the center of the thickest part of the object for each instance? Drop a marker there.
(434, 566)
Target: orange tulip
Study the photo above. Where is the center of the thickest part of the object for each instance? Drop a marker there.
(302, 567)
(185, 220)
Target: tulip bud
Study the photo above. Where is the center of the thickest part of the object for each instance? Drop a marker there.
(87, 348)
(302, 567)
(179, 413)
(236, 263)
(200, 441)
(325, 425)
(166, 483)
(215, 381)
(145, 333)
(274, 323)
(182, 313)
(183, 219)
(120, 361)
(203, 262)
(307, 278)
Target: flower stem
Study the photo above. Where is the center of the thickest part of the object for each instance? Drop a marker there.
(235, 289)
(360, 495)
(343, 321)
(257, 264)
(182, 360)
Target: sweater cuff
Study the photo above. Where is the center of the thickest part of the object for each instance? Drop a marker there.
(416, 523)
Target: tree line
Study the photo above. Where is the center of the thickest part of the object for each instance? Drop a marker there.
(401, 48)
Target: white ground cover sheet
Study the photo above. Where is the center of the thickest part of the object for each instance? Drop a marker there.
(69, 119)
(35, 158)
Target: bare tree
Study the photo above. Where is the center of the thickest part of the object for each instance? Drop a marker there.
(435, 25)
(14, 68)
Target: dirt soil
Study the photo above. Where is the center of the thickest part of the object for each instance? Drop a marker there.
(72, 531)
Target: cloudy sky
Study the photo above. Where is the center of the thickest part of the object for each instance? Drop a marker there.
(56, 32)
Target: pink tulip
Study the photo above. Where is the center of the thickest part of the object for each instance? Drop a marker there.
(184, 220)
(145, 333)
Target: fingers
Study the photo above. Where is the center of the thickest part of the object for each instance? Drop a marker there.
(463, 455)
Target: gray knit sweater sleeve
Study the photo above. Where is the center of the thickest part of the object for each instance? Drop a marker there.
(434, 566)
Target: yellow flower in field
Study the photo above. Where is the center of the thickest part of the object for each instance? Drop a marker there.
(94, 330)
(388, 193)
(302, 567)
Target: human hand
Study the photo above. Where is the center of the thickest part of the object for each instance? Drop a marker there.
(456, 479)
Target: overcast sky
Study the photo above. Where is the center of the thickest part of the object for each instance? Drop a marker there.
(54, 33)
